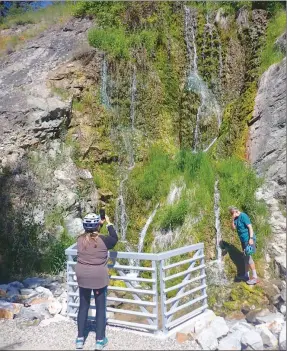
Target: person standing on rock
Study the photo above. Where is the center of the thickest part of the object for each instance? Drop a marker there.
(241, 222)
(92, 274)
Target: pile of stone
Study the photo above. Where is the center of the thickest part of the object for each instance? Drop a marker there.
(260, 330)
(34, 301)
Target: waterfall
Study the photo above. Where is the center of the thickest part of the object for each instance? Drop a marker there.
(208, 104)
(104, 94)
(174, 194)
(217, 222)
(145, 228)
(133, 97)
(189, 33)
(121, 214)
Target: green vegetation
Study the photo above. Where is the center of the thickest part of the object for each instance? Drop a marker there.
(270, 54)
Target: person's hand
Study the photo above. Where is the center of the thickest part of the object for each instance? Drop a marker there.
(108, 220)
(250, 242)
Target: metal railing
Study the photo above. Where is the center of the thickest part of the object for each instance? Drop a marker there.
(157, 292)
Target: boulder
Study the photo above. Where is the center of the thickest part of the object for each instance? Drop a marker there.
(283, 291)
(34, 282)
(8, 310)
(16, 285)
(3, 287)
(242, 327)
(219, 327)
(269, 340)
(27, 292)
(44, 292)
(282, 338)
(268, 318)
(207, 340)
(54, 307)
(251, 316)
(252, 340)
(73, 225)
(13, 293)
(281, 43)
(56, 289)
(230, 342)
(283, 309)
(37, 311)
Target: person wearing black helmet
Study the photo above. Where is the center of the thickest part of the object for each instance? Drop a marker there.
(92, 274)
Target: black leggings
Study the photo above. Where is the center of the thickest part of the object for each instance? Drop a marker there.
(100, 300)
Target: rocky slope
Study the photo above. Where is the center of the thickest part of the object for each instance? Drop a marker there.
(267, 153)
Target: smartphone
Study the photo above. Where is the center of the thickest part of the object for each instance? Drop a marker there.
(102, 213)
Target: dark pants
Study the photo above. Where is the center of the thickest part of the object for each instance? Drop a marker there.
(100, 300)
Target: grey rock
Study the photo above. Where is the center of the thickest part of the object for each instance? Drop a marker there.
(219, 327)
(282, 338)
(269, 340)
(267, 153)
(27, 292)
(56, 289)
(251, 316)
(281, 43)
(32, 283)
(269, 318)
(16, 285)
(252, 340)
(230, 342)
(74, 225)
(207, 339)
(44, 292)
(283, 291)
(4, 287)
(37, 311)
(84, 174)
(54, 307)
(283, 309)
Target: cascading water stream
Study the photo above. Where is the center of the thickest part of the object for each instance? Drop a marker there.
(104, 94)
(217, 222)
(208, 103)
(121, 214)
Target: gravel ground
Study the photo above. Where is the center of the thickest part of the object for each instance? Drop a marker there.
(61, 336)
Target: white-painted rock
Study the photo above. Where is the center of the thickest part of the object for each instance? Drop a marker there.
(282, 338)
(207, 340)
(219, 326)
(252, 340)
(44, 292)
(269, 340)
(242, 327)
(54, 307)
(230, 342)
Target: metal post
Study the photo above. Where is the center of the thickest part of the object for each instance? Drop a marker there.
(162, 296)
(155, 297)
(203, 280)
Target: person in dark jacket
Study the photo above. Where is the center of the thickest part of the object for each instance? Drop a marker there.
(92, 274)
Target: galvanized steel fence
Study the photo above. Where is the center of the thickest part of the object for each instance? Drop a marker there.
(157, 292)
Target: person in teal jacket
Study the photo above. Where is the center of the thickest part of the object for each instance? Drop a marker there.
(241, 222)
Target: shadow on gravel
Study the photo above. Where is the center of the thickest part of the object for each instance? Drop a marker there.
(11, 346)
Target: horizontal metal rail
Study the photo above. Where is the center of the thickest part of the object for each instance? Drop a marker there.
(144, 280)
(182, 262)
(192, 302)
(177, 286)
(173, 299)
(180, 274)
(131, 324)
(133, 313)
(72, 251)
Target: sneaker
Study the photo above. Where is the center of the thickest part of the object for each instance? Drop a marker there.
(252, 281)
(244, 278)
(79, 343)
(100, 344)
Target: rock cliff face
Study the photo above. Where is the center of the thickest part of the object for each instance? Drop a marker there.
(267, 152)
